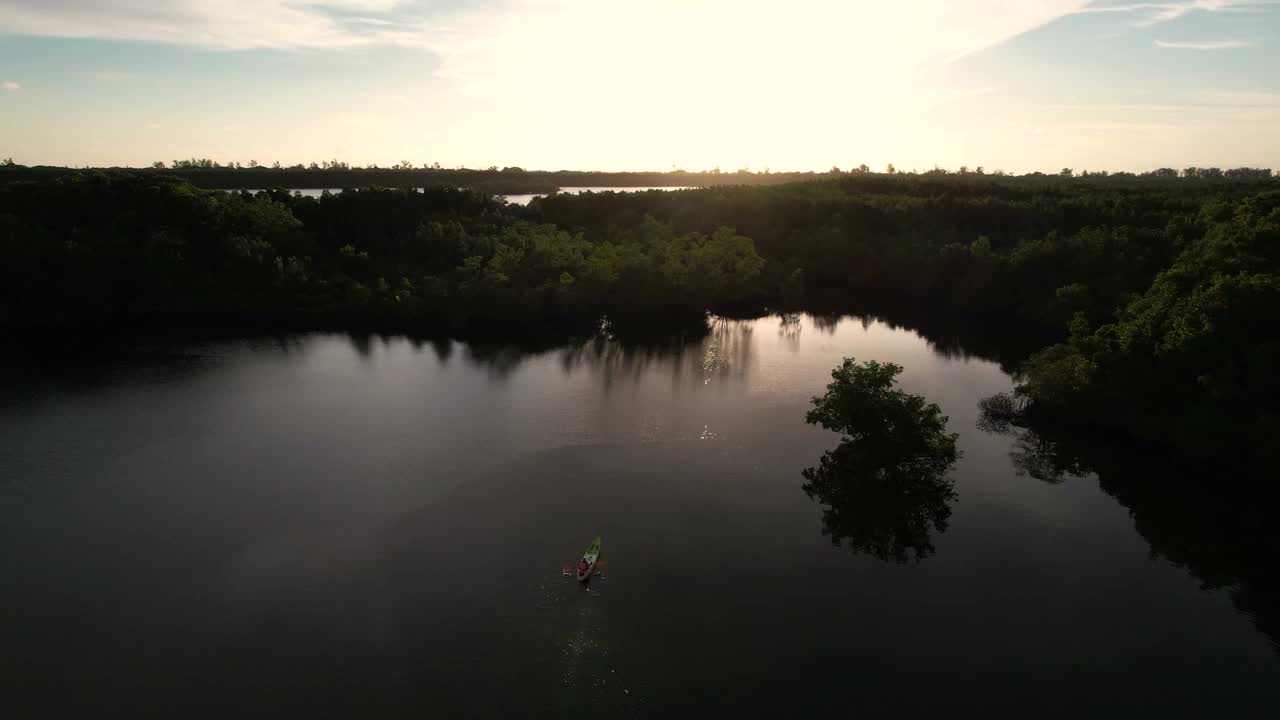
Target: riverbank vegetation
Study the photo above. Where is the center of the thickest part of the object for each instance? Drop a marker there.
(1154, 295)
(1187, 361)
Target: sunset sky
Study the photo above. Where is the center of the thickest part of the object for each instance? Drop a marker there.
(1018, 85)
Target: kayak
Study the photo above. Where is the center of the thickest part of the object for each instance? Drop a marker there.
(591, 555)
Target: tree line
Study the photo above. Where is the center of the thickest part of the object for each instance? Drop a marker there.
(334, 173)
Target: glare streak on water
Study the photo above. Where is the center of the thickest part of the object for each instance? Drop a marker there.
(514, 199)
(377, 525)
(525, 199)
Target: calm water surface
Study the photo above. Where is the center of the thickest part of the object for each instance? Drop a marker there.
(365, 526)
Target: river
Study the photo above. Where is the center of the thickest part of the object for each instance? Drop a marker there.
(367, 525)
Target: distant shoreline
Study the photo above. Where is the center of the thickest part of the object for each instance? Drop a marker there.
(517, 181)
(501, 182)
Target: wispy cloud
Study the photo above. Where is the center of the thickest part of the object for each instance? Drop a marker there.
(249, 24)
(1204, 44)
(223, 24)
(1240, 98)
(111, 76)
(1199, 100)
(557, 33)
(10, 85)
(1154, 13)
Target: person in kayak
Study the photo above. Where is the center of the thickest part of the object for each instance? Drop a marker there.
(583, 566)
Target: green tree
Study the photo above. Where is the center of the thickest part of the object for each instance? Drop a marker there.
(864, 406)
(885, 487)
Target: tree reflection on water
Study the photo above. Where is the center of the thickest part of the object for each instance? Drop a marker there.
(1214, 522)
(725, 350)
(880, 505)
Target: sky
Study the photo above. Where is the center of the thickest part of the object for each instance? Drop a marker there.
(1017, 85)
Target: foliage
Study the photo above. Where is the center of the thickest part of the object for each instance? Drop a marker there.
(1152, 297)
(885, 487)
(862, 404)
(1191, 361)
(99, 248)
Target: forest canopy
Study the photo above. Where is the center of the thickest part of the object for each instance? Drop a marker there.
(1156, 294)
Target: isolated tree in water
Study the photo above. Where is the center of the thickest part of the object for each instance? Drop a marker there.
(885, 486)
(863, 404)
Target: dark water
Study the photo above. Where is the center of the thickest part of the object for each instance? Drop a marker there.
(364, 526)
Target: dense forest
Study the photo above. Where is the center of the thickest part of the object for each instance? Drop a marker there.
(1153, 297)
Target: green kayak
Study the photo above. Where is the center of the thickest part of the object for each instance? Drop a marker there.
(589, 557)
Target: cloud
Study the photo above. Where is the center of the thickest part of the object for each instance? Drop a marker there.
(219, 24)
(111, 76)
(1205, 44)
(729, 41)
(1154, 13)
(636, 83)
(355, 5)
(1240, 98)
(247, 24)
(10, 85)
(1220, 102)
(720, 81)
